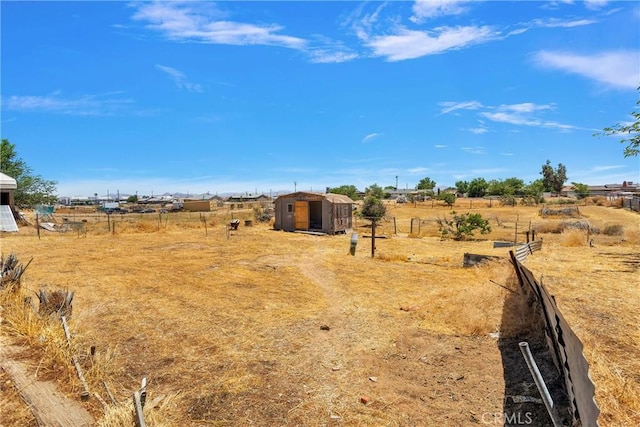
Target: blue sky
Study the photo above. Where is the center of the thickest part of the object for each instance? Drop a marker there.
(238, 96)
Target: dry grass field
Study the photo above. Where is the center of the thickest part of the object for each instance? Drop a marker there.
(262, 327)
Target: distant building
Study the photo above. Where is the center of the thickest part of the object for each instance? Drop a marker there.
(326, 213)
(7, 186)
(7, 203)
(257, 198)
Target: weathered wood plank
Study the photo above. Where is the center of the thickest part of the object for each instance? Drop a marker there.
(48, 405)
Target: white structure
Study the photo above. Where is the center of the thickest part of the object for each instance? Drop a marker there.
(7, 186)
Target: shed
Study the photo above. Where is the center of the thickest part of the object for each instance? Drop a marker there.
(7, 186)
(326, 213)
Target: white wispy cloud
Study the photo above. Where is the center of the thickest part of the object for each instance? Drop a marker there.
(426, 9)
(619, 69)
(84, 105)
(521, 114)
(417, 171)
(479, 130)
(606, 168)
(474, 150)
(202, 22)
(440, 146)
(370, 137)
(327, 56)
(180, 79)
(595, 4)
(449, 106)
(561, 23)
(410, 44)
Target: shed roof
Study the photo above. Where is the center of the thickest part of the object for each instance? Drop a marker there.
(332, 197)
(7, 183)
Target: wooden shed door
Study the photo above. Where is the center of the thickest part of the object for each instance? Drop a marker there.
(301, 213)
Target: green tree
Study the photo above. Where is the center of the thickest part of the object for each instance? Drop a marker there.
(496, 188)
(132, 199)
(375, 191)
(448, 198)
(373, 209)
(32, 189)
(348, 190)
(426, 184)
(532, 193)
(478, 187)
(581, 190)
(631, 130)
(553, 179)
(462, 187)
(463, 226)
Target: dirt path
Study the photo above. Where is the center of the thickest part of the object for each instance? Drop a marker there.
(48, 405)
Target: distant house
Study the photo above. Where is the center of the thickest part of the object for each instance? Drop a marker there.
(205, 196)
(326, 213)
(614, 191)
(258, 198)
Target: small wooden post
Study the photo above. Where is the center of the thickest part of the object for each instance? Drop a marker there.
(38, 225)
(137, 409)
(470, 203)
(395, 228)
(515, 237)
(527, 233)
(204, 219)
(143, 391)
(373, 238)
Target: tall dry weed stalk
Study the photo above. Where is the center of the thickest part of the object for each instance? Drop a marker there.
(43, 332)
(573, 238)
(615, 393)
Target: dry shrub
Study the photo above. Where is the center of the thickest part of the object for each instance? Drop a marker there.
(146, 227)
(45, 333)
(573, 238)
(474, 309)
(599, 200)
(632, 235)
(391, 257)
(615, 393)
(613, 230)
(121, 415)
(555, 227)
(618, 203)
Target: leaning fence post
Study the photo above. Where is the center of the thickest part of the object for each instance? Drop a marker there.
(85, 393)
(542, 387)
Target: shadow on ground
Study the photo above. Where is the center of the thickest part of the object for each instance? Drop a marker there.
(522, 405)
